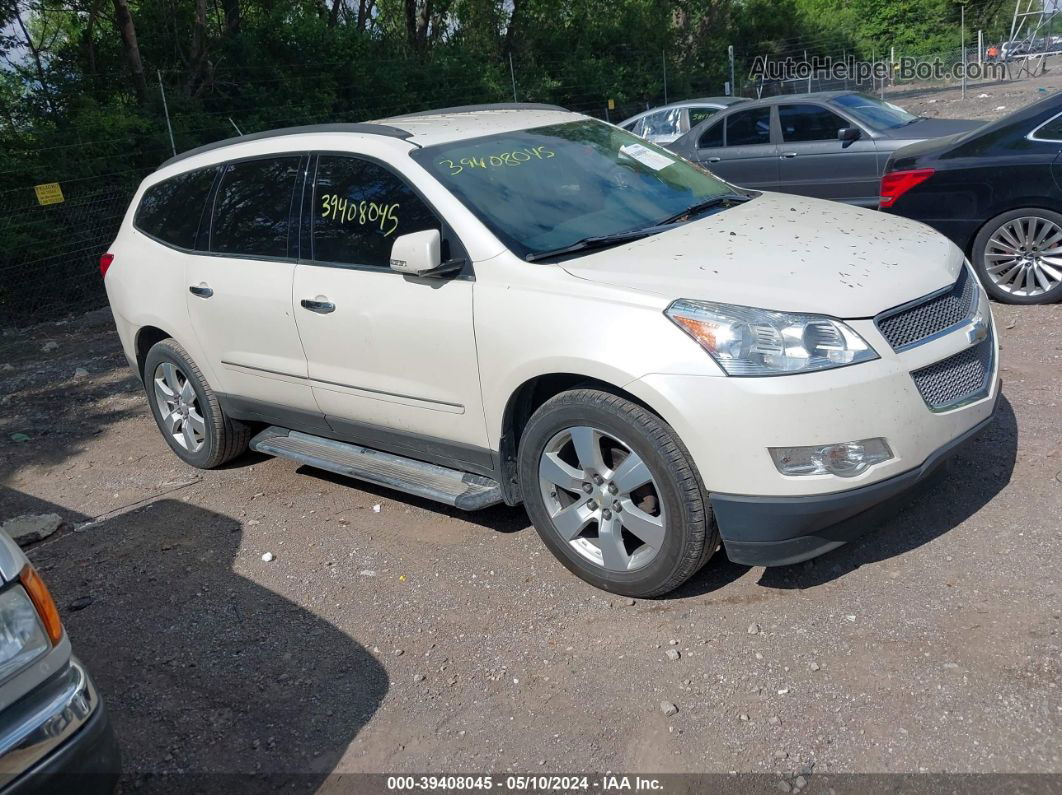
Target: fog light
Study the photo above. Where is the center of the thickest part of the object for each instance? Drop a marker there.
(844, 459)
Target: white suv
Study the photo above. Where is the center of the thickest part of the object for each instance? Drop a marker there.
(521, 304)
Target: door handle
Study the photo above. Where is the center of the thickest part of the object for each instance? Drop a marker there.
(788, 155)
(320, 307)
(201, 290)
(714, 159)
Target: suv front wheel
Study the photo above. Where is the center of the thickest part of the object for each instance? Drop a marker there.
(187, 410)
(613, 493)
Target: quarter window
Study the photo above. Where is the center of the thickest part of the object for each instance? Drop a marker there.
(359, 208)
(1050, 131)
(172, 209)
(749, 127)
(252, 211)
(809, 123)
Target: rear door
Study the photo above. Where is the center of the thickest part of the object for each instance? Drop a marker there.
(239, 293)
(813, 162)
(739, 149)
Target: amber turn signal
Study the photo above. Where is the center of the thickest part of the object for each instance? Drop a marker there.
(42, 600)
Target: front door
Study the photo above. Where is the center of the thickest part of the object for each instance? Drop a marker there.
(746, 156)
(239, 294)
(392, 358)
(814, 162)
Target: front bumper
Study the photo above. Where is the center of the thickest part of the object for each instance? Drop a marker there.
(59, 739)
(779, 531)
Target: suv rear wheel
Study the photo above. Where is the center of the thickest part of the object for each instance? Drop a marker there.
(187, 410)
(613, 493)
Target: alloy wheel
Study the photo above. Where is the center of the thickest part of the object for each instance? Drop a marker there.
(602, 499)
(1024, 256)
(178, 407)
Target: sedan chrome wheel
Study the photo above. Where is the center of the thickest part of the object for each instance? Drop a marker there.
(602, 499)
(1023, 256)
(178, 407)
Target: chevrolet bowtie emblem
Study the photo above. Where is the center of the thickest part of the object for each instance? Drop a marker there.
(977, 332)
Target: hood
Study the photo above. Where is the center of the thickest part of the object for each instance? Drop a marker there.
(786, 253)
(932, 128)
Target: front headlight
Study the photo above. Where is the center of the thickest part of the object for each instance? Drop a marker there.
(22, 636)
(747, 341)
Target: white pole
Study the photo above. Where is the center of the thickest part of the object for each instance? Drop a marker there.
(166, 110)
(512, 74)
(962, 39)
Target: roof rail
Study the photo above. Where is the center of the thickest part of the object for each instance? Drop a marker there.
(371, 129)
(475, 108)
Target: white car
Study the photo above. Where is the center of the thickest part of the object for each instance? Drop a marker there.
(522, 304)
(668, 123)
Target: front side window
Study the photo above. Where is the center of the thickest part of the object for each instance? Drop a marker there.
(252, 210)
(171, 210)
(809, 123)
(749, 127)
(359, 208)
(548, 187)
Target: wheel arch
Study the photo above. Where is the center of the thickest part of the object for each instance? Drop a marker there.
(1025, 203)
(146, 338)
(525, 400)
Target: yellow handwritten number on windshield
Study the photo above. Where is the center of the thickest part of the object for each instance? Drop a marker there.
(514, 158)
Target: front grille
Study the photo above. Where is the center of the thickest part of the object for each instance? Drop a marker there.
(958, 378)
(912, 323)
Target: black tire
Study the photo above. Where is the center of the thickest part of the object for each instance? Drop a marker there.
(223, 438)
(980, 246)
(690, 536)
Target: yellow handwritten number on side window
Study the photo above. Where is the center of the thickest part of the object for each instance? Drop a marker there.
(363, 212)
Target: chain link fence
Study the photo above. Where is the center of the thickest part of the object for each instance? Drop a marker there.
(51, 244)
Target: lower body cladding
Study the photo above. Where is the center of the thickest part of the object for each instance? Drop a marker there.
(58, 738)
(731, 425)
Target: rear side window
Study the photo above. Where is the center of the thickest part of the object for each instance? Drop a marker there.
(809, 123)
(712, 137)
(252, 211)
(749, 127)
(170, 210)
(359, 208)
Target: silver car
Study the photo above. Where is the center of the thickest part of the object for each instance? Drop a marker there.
(829, 145)
(54, 733)
(666, 123)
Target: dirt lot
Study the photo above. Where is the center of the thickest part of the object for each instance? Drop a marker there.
(390, 634)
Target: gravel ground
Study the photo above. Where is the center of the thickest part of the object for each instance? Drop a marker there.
(391, 634)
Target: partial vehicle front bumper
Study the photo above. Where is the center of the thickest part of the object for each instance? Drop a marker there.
(779, 531)
(58, 738)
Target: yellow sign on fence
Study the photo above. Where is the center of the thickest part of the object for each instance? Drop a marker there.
(49, 193)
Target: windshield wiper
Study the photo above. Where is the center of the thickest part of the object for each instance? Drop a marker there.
(726, 200)
(598, 241)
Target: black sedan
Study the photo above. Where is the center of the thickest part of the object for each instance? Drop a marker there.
(997, 193)
(830, 145)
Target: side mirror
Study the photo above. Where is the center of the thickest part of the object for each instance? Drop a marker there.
(418, 253)
(849, 134)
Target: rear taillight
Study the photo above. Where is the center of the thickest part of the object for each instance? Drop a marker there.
(105, 263)
(897, 183)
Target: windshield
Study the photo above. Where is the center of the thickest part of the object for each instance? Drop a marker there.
(549, 187)
(874, 112)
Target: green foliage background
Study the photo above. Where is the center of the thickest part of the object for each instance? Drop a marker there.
(72, 112)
